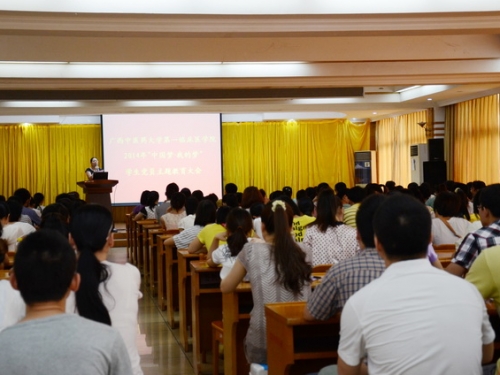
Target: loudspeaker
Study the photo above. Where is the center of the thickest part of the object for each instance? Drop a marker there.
(435, 172)
(435, 147)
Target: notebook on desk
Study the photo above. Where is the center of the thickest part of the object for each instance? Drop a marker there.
(100, 175)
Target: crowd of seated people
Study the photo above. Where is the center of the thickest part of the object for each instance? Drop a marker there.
(275, 243)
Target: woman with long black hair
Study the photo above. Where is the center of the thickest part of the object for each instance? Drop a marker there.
(279, 271)
(108, 292)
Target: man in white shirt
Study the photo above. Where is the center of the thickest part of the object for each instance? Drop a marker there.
(414, 319)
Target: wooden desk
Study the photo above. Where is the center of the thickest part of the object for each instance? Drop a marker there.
(171, 280)
(148, 262)
(153, 259)
(133, 243)
(128, 226)
(162, 283)
(139, 243)
(183, 258)
(291, 339)
(206, 300)
(236, 307)
(4, 274)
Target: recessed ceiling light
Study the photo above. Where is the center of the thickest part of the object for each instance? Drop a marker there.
(374, 113)
(429, 98)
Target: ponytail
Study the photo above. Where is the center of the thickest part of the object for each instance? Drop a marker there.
(292, 270)
(88, 298)
(239, 224)
(90, 227)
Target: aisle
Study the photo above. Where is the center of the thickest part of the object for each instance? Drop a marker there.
(158, 347)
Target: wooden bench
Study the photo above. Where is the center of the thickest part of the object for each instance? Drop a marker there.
(294, 342)
(185, 314)
(139, 243)
(148, 262)
(206, 302)
(236, 307)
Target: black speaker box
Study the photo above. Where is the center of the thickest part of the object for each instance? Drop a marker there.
(435, 147)
(435, 172)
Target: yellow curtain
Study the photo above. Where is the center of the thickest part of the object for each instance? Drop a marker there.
(473, 138)
(46, 158)
(394, 136)
(273, 154)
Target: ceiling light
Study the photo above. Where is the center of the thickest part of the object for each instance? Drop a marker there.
(429, 98)
(408, 88)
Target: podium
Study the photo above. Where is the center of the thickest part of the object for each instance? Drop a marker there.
(98, 191)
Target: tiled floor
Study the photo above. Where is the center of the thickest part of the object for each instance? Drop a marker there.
(158, 344)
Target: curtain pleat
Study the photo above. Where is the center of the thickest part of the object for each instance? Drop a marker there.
(473, 130)
(273, 154)
(47, 158)
(394, 136)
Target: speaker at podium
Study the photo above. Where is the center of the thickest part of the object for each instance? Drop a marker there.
(98, 191)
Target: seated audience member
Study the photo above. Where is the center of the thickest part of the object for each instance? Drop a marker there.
(4, 261)
(311, 192)
(230, 200)
(447, 228)
(373, 188)
(198, 194)
(175, 212)
(205, 215)
(488, 236)
(349, 275)
(204, 238)
(231, 188)
(142, 202)
(256, 211)
(476, 186)
(426, 191)
(355, 196)
(300, 223)
(411, 319)
(25, 196)
(251, 195)
(484, 274)
(56, 222)
(109, 292)
(301, 194)
(186, 191)
(48, 341)
(466, 206)
(13, 229)
(390, 185)
(36, 203)
(188, 221)
(329, 239)
(162, 208)
(149, 210)
(239, 227)
(278, 269)
(213, 197)
(264, 195)
(341, 192)
(275, 195)
(322, 186)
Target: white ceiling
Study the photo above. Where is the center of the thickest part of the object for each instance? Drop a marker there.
(91, 63)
